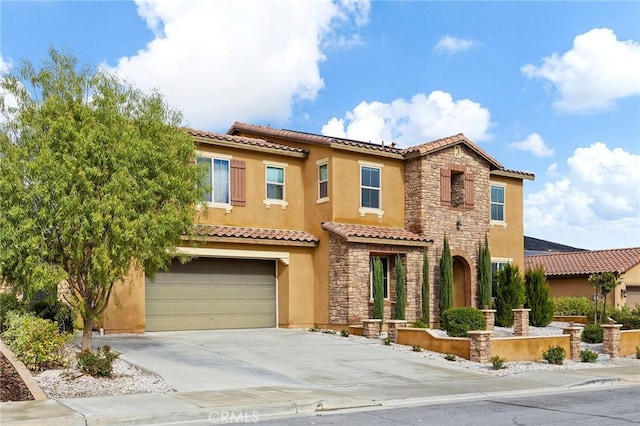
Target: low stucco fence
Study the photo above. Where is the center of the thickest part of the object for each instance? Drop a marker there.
(629, 341)
(426, 339)
(527, 348)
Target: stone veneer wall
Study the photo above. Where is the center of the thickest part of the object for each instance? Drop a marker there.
(350, 300)
(425, 214)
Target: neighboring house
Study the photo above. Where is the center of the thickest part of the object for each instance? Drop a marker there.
(533, 246)
(567, 273)
(288, 232)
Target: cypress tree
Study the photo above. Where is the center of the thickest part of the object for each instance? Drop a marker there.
(510, 294)
(425, 286)
(378, 289)
(401, 291)
(484, 274)
(446, 278)
(537, 292)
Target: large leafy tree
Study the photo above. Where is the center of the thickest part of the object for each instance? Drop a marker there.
(95, 177)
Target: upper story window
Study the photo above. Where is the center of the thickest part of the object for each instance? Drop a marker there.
(275, 184)
(323, 181)
(224, 180)
(370, 187)
(385, 276)
(217, 179)
(457, 187)
(497, 203)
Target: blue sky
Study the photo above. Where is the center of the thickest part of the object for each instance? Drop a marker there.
(547, 87)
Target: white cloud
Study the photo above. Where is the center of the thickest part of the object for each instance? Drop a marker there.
(423, 118)
(453, 45)
(596, 204)
(552, 168)
(533, 144)
(597, 71)
(8, 102)
(227, 60)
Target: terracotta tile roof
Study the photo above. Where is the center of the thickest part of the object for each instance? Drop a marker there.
(526, 175)
(348, 230)
(439, 144)
(219, 231)
(586, 262)
(242, 140)
(310, 137)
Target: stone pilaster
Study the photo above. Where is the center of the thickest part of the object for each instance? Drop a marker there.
(480, 345)
(489, 318)
(521, 322)
(574, 341)
(371, 328)
(611, 339)
(392, 328)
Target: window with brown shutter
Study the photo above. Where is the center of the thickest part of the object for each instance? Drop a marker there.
(445, 186)
(469, 190)
(238, 197)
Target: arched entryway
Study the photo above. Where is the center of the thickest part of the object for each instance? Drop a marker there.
(461, 282)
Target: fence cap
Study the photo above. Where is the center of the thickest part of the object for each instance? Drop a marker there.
(371, 320)
(480, 332)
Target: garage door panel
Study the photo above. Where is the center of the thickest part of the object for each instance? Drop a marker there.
(633, 296)
(210, 293)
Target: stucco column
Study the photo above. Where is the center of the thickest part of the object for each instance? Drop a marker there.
(489, 318)
(371, 328)
(611, 339)
(574, 341)
(479, 345)
(392, 328)
(521, 321)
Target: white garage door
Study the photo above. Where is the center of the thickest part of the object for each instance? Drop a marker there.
(212, 293)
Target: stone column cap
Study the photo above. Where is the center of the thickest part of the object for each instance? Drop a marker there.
(371, 320)
(480, 332)
(611, 325)
(521, 310)
(396, 321)
(488, 310)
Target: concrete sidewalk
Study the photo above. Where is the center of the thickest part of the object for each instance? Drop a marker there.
(256, 403)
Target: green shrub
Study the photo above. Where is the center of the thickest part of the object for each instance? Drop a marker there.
(569, 306)
(588, 356)
(637, 352)
(592, 333)
(597, 311)
(450, 357)
(327, 331)
(630, 319)
(387, 341)
(416, 348)
(98, 363)
(425, 288)
(401, 291)
(54, 310)
(446, 278)
(509, 294)
(344, 332)
(537, 297)
(35, 341)
(497, 363)
(554, 355)
(314, 329)
(484, 275)
(378, 288)
(456, 322)
(420, 324)
(8, 303)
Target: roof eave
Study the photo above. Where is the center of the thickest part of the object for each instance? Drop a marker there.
(524, 176)
(248, 147)
(249, 240)
(360, 150)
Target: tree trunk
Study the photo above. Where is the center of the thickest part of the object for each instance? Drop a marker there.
(87, 331)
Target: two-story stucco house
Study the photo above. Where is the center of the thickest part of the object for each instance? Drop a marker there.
(287, 234)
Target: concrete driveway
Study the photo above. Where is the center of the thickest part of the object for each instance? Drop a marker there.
(234, 359)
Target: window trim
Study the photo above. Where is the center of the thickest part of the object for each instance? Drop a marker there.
(386, 281)
(371, 210)
(211, 156)
(319, 164)
(504, 204)
(268, 202)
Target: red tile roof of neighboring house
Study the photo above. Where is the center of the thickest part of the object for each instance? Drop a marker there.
(219, 231)
(348, 230)
(243, 140)
(586, 262)
(311, 137)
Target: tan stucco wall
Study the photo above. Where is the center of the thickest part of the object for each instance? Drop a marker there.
(507, 241)
(125, 312)
(579, 286)
(629, 341)
(423, 338)
(526, 348)
(256, 213)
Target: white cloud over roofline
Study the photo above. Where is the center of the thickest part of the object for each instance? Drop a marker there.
(597, 71)
(533, 144)
(453, 45)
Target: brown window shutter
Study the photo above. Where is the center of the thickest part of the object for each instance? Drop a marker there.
(469, 190)
(238, 183)
(445, 186)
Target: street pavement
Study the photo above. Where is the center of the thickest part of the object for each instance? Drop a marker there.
(261, 374)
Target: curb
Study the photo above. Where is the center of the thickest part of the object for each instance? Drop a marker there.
(606, 381)
(23, 372)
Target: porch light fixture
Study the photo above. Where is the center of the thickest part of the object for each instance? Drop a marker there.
(623, 292)
(459, 225)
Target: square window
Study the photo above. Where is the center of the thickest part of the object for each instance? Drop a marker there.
(275, 183)
(323, 181)
(370, 187)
